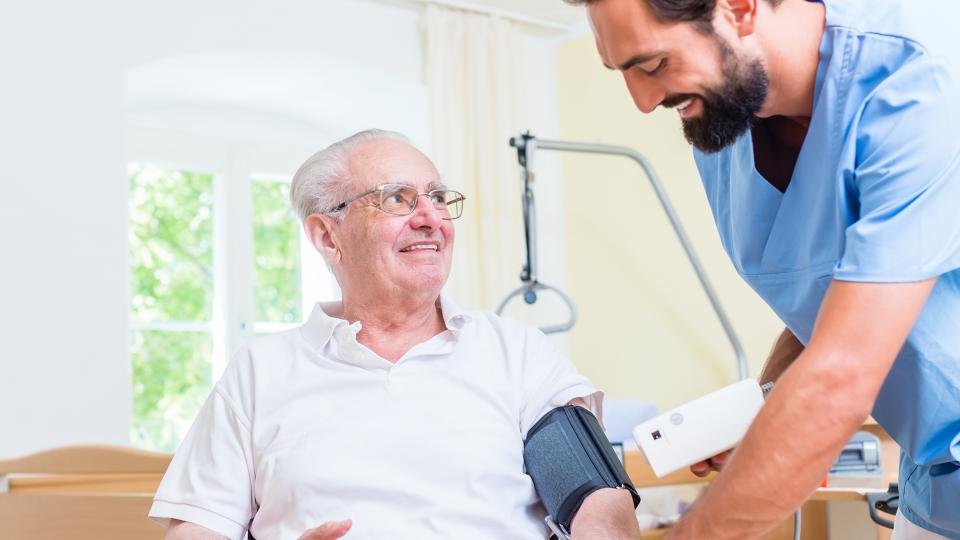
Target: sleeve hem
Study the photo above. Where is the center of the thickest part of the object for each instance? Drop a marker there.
(861, 277)
(591, 395)
(163, 511)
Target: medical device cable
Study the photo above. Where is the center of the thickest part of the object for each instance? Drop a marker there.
(766, 388)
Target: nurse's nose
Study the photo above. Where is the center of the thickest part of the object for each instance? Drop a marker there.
(646, 94)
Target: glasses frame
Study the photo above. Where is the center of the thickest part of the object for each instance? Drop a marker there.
(460, 197)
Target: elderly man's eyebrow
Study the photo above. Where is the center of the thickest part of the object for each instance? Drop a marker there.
(437, 185)
(634, 60)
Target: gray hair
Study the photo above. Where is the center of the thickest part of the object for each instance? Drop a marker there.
(324, 180)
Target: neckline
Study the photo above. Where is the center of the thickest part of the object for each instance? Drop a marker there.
(824, 56)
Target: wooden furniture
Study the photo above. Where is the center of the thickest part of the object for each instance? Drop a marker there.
(81, 493)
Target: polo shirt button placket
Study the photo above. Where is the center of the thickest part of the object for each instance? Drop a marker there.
(388, 381)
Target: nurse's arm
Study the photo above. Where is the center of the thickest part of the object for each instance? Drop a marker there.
(816, 406)
(784, 352)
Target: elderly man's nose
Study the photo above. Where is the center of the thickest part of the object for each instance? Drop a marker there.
(426, 215)
(646, 95)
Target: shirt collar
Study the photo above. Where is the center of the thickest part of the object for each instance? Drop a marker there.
(320, 326)
(454, 317)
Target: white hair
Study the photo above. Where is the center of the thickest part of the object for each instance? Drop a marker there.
(324, 180)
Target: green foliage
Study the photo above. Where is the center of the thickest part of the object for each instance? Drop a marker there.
(171, 379)
(171, 269)
(276, 247)
(171, 245)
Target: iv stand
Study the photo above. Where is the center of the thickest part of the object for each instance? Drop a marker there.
(525, 145)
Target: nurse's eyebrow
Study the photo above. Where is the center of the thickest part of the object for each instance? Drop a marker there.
(634, 60)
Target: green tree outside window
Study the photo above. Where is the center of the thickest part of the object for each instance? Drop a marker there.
(171, 270)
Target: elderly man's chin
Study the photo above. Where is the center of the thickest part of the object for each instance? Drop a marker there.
(425, 272)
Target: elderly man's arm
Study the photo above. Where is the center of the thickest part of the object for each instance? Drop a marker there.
(606, 514)
(184, 530)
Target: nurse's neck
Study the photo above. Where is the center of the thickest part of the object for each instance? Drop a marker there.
(789, 39)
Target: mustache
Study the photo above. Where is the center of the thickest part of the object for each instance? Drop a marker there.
(674, 100)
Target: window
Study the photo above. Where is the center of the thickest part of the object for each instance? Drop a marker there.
(215, 258)
(276, 251)
(171, 310)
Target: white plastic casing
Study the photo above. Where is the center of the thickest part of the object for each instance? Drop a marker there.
(699, 429)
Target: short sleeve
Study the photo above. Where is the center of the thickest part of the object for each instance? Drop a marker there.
(906, 179)
(210, 480)
(551, 381)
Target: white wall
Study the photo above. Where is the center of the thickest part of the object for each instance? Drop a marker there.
(64, 375)
(81, 80)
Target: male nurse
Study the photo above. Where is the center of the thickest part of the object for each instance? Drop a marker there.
(827, 136)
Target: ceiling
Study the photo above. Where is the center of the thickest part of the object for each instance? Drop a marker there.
(551, 10)
(554, 12)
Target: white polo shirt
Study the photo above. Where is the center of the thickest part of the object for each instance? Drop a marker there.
(308, 426)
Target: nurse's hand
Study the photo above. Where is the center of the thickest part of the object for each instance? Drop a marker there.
(715, 463)
(330, 530)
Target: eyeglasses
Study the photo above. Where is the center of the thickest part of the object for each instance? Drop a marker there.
(401, 200)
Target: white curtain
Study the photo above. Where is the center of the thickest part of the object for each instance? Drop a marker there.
(472, 72)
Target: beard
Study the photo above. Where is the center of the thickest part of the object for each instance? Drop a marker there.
(729, 109)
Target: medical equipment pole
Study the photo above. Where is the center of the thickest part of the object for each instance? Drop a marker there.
(566, 146)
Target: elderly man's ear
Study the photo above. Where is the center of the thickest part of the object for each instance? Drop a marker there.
(322, 233)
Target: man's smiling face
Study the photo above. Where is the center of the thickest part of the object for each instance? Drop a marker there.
(389, 253)
(684, 65)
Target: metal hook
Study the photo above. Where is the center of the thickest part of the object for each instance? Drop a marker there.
(526, 145)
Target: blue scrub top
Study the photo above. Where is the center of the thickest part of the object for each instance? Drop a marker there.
(875, 197)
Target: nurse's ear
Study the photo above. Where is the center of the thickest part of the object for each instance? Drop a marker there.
(322, 232)
(740, 15)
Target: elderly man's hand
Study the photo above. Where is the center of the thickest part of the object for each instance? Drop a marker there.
(330, 530)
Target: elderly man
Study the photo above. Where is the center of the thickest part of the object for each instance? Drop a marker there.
(391, 414)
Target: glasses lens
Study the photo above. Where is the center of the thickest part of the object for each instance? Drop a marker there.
(397, 199)
(448, 202)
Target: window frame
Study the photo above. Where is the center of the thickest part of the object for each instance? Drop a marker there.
(234, 165)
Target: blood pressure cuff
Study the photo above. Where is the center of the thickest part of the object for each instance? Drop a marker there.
(568, 457)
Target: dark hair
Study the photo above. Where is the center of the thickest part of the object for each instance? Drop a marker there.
(699, 12)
